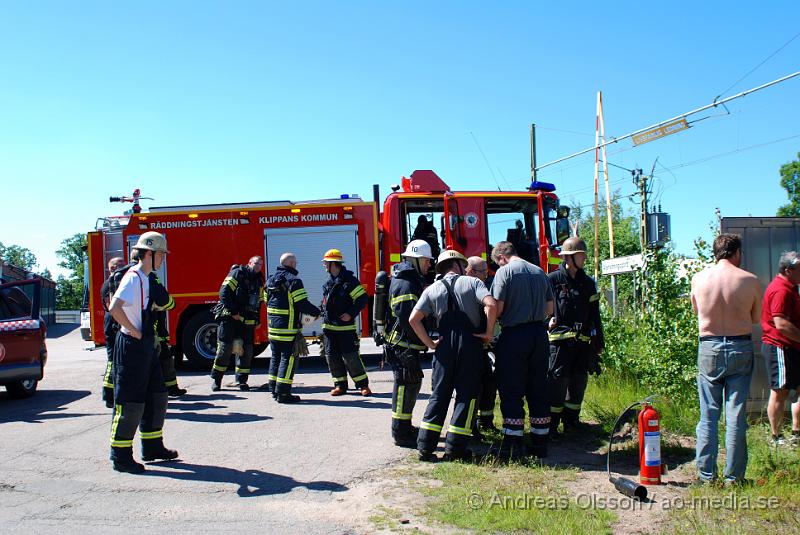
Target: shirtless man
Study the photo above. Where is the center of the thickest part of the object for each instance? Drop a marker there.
(727, 300)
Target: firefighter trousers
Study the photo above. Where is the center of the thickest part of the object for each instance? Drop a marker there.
(139, 394)
(567, 378)
(167, 361)
(282, 366)
(228, 331)
(521, 374)
(343, 355)
(456, 366)
(404, 396)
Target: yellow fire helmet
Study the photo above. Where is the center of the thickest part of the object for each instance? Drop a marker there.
(333, 255)
(449, 254)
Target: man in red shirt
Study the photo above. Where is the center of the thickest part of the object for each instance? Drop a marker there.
(780, 318)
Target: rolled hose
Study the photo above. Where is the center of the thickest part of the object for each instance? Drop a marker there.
(624, 485)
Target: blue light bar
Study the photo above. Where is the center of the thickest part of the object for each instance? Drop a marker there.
(542, 186)
(344, 196)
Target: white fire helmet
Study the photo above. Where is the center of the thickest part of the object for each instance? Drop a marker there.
(418, 249)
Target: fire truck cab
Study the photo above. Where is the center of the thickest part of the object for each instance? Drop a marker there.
(472, 222)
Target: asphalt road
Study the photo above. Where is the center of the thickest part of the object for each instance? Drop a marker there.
(246, 463)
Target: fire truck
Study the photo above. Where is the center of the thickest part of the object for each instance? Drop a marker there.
(206, 240)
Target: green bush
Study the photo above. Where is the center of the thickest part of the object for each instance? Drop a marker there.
(653, 339)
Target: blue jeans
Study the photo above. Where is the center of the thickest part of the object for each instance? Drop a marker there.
(724, 370)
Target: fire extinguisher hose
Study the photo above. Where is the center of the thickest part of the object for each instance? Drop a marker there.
(622, 484)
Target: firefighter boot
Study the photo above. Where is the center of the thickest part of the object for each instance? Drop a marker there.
(287, 398)
(538, 446)
(216, 376)
(153, 450)
(512, 448)
(175, 391)
(339, 391)
(123, 460)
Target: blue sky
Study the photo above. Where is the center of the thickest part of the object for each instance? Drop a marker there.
(205, 102)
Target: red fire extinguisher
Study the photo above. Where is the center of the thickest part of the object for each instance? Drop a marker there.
(649, 446)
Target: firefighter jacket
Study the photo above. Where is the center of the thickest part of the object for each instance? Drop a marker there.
(404, 292)
(577, 308)
(161, 302)
(342, 294)
(286, 300)
(241, 293)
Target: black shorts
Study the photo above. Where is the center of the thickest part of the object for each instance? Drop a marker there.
(783, 366)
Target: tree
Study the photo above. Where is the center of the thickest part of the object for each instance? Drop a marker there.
(18, 256)
(790, 181)
(69, 290)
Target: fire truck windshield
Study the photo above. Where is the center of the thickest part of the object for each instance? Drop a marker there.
(514, 220)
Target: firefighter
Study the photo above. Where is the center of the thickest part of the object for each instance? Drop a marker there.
(402, 347)
(477, 267)
(576, 335)
(110, 327)
(343, 298)
(287, 301)
(139, 393)
(455, 301)
(524, 301)
(162, 302)
(239, 313)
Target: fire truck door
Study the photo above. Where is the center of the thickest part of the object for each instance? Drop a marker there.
(452, 224)
(309, 245)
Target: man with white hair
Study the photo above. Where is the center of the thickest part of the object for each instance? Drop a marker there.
(780, 318)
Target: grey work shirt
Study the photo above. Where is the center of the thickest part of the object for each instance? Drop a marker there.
(469, 293)
(524, 290)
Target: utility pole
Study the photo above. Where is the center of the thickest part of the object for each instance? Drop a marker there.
(533, 152)
(640, 181)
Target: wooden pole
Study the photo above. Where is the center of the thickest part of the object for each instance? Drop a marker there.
(608, 203)
(596, 189)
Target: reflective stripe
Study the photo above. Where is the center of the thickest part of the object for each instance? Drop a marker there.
(358, 378)
(537, 431)
(174, 382)
(284, 381)
(339, 327)
(289, 369)
(402, 298)
(573, 406)
(220, 368)
(459, 431)
(242, 370)
(298, 295)
(114, 424)
(400, 415)
(149, 435)
(571, 335)
(513, 432)
(339, 380)
(280, 330)
(430, 427)
(271, 377)
(281, 311)
(485, 413)
(231, 283)
(593, 298)
(280, 337)
(394, 339)
(249, 322)
(357, 292)
(121, 443)
(556, 410)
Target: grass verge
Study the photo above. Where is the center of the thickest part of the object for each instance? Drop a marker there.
(492, 498)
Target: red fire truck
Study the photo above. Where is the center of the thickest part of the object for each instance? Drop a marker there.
(205, 240)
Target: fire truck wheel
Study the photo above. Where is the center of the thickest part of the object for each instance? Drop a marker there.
(199, 340)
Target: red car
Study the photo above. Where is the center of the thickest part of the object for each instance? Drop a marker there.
(23, 352)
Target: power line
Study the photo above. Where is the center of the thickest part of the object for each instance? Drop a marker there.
(751, 71)
(485, 159)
